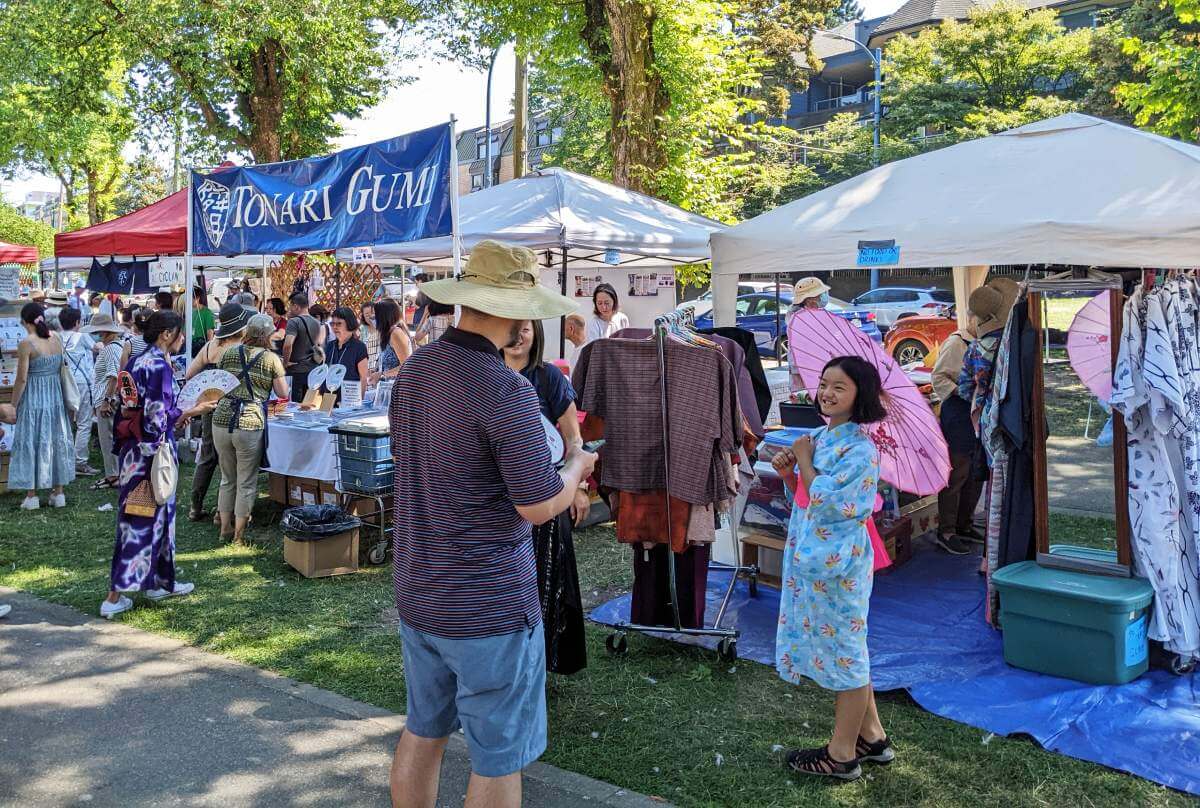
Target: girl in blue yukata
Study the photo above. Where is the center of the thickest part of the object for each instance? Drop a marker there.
(827, 569)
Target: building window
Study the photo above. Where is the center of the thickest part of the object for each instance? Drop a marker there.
(481, 145)
(546, 135)
(476, 182)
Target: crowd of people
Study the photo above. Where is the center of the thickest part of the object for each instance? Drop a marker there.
(486, 570)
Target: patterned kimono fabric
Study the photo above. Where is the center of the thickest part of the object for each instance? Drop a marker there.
(827, 571)
(144, 552)
(997, 451)
(1147, 391)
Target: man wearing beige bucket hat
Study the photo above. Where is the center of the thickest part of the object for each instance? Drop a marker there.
(473, 472)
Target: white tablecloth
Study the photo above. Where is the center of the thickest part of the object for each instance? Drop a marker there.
(299, 452)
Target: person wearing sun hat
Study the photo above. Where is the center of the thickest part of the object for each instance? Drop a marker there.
(809, 293)
(56, 301)
(232, 322)
(988, 307)
(470, 428)
(104, 390)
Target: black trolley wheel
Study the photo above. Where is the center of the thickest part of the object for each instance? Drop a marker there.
(1181, 666)
(616, 643)
(727, 650)
(378, 554)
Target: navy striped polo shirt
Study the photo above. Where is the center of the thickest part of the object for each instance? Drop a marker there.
(469, 446)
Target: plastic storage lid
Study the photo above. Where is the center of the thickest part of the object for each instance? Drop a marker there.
(372, 425)
(1122, 594)
(786, 436)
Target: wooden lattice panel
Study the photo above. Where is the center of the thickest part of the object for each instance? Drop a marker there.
(342, 284)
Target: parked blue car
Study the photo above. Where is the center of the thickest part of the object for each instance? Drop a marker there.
(756, 314)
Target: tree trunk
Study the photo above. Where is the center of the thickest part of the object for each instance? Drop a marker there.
(264, 103)
(620, 38)
(93, 195)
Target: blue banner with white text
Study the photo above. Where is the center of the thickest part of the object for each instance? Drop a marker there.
(392, 191)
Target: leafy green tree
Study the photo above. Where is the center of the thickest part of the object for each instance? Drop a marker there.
(145, 182)
(268, 78)
(1163, 92)
(1005, 66)
(18, 229)
(846, 11)
(662, 97)
(64, 106)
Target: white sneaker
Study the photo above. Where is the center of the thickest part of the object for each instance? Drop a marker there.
(5, 609)
(30, 504)
(111, 610)
(180, 591)
(58, 500)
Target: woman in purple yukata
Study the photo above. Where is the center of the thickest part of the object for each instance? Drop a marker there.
(144, 552)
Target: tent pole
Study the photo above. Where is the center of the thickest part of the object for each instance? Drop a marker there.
(562, 321)
(262, 298)
(779, 360)
(189, 279)
(455, 235)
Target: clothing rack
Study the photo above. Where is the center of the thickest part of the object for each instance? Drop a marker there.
(677, 322)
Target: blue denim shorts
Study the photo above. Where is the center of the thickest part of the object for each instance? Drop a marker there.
(494, 688)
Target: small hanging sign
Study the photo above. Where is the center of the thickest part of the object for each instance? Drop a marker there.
(878, 253)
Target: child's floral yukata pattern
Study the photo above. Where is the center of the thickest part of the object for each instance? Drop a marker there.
(144, 553)
(827, 567)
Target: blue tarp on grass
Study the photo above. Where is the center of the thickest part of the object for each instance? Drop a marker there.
(928, 636)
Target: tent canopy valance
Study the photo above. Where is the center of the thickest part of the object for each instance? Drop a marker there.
(1073, 190)
(557, 210)
(17, 254)
(157, 229)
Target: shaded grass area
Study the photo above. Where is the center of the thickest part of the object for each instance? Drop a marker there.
(665, 720)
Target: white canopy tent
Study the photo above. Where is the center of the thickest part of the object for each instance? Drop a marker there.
(575, 223)
(558, 210)
(1073, 190)
(79, 264)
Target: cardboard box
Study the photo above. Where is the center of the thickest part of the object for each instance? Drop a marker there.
(309, 492)
(367, 509)
(924, 515)
(294, 490)
(277, 485)
(327, 494)
(897, 538)
(335, 555)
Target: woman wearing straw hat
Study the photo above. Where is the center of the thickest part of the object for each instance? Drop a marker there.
(234, 318)
(469, 428)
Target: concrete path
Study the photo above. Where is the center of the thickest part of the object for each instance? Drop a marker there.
(100, 714)
(1080, 476)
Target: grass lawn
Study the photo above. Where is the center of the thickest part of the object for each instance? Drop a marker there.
(665, 720)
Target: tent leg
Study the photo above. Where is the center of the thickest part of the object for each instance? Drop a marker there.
(562, 321)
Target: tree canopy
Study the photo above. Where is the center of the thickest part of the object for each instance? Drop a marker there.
(18, 229)
(1163, 90)
(1005, 66)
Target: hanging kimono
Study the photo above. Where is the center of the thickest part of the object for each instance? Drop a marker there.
(1144, 383)
(827, 576)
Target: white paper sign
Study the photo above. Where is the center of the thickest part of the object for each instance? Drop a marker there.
(166, 272)
(362, 255)
(10, 282)
(351, 395)
(318, 280)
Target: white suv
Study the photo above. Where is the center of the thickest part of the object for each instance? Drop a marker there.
(893, 302)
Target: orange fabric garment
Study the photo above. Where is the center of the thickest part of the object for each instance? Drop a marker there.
(642, 517)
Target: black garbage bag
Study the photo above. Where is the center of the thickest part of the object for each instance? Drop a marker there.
(316, 522)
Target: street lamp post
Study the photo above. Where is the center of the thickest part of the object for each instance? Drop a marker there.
(487, 125)
(877, 61)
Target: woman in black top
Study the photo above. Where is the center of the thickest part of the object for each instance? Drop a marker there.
(346, 349)
(558, 577)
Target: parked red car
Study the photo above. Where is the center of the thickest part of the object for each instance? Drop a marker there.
(917, 338)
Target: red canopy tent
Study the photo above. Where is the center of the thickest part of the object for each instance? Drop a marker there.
(17, 254)
(157, 229)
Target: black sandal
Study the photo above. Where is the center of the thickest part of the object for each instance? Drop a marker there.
(820, 763)
(103, 483)
(880, 752)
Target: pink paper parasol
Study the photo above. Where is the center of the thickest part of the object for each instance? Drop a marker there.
(912, 452)
(1089, 346)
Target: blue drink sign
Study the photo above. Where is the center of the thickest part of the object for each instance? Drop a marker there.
(878, 253)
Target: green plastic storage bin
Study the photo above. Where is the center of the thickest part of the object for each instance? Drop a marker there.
(1085, 553)
(1090, 628)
